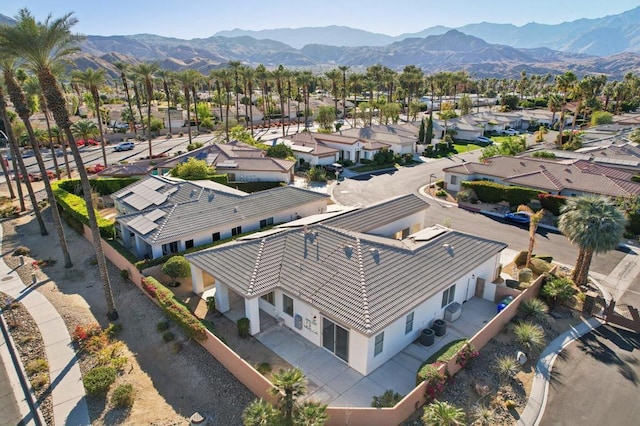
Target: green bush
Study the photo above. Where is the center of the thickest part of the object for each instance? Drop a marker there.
(552, 203)
(123, 396)
(507, 367)
(98, 380)
(124, 274)
(557, 291)
(534, 308)
(440, 183)
(76, 208)
(103, 186)
(525, 275)
(263, 368)
(521, 258)
(539, 266)
(36, 366)
(243, 327)
(388, 399)
(545, 257)
(441, 193)
(491, 192)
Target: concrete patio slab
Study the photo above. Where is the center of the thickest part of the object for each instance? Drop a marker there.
(363, 392)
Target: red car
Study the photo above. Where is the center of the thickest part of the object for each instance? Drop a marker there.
(97, 168)
(82, 142)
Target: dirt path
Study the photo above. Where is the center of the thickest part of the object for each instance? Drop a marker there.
(170, 385)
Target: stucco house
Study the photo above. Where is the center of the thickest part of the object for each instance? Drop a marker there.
(240, 161)
(346, 284)
(400, 138)
(159, 216)
(329, 148)
(567, 177)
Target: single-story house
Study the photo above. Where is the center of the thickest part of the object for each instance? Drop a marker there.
(567, 177)
(623, 156)
(360, 295)
(159, 216)
(138, 169)
(240, 161)
(340, 147)
(400, 138)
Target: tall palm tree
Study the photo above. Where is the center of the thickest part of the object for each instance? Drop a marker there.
(5, 172)
(344, 69)
(59, 136)
(42, 45)
(123, 68)
(304, 80)
(554, 104)
(146, 71)
(19, 100)
(235, 67)
(595, 225)
(334, 77)
(280, 76)
(187, 79)
(288, 385)
(440, 413)
(225, 77)
(165, 76)
(135, 81)
(248, 75)
(92, 80)
(564, 84)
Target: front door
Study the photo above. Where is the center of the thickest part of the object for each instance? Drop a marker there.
(335, 339)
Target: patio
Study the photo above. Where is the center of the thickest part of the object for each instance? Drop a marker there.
(330, 380)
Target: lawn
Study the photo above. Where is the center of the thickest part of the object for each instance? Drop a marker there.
(500, 139)
(463, 147)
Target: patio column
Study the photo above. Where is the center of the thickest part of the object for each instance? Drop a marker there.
(197, 280)
(156, 251)
(140, 249)
(222, 297)
(252, 311)
(126, 237)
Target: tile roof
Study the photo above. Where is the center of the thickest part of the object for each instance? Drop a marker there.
(363, 281)
(392, 133)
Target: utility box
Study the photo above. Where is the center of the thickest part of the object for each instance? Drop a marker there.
(453, 312)
(297, 321)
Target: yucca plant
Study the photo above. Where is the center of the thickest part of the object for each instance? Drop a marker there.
(440, 413)
(534, 308)
(482, 416)
(530, 336)
(507, 367)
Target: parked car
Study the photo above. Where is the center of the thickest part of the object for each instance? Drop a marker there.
(511, 132)
(519, 217)
(87, 142)
(483, 141)
(334, 168)
(124, 146)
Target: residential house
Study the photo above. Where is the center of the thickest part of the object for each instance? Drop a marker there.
(567, 177)
(400, 138)
(137, 169)
(329, 148)
(240, 161)
(159, 216)
(343, 286)
(624, 156)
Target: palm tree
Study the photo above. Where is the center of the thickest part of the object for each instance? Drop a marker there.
(334, 76)
(311, 413)
(235, 67)
(123, 68)
(20, 104)
(42, 45)
(534, 221)
(248, 75)
(84, 129)
(5, 172)
(59, 136)
(564, 83)
(595, 225)
(356, 82)
(187, 78)
(146, 71)
(261, 413)
(288, 385)
(304, 80)
(440, 413)
(554, 104)
(135, 80)
(165, 76)
(92, 80)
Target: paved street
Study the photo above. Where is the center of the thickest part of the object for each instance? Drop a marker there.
(577, 396)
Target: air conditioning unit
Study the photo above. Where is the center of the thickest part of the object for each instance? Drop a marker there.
(453, 312)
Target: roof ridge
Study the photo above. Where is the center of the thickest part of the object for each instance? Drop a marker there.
(254, 273)
(363, 286)
(164, 222)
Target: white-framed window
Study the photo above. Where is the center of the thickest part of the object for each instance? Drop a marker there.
(236, 231)
(266, 222)
(269, 298)
(448, 295)
(287, 305)
(454, 180)
(408, 328)
(379, 344)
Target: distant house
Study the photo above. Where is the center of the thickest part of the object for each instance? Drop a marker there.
(624, 156)
(345, 284)
(567, 177)
(328, 148)
(137, 169)
(240, 161)
(159, 216)
(400, 138)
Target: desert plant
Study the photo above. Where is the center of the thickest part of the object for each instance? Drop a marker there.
(22, 251)
(435, 378)
(482, 416)
(168, 336)
(534, 308)
(123, 396)
(530, 336)
(557, 291)
(441, 193)
(124, 275)
(98, 380)
(388, 399)
(507, 366)
(36, 366)
(539, 266)
(263, 368)
(521, 258)
(525, 275)
(39, 381)
(440, 413)
(243, 327)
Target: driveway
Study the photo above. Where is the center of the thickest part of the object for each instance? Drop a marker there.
(595, 381)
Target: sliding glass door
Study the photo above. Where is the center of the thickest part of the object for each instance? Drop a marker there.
(335, 339)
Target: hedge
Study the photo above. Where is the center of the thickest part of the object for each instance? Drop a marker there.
(251, 187)
(76, 208)
(175, 309)
(491, 192)
(552, 203)
(103, 186)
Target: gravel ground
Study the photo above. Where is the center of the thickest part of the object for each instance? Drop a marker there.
(170, 385)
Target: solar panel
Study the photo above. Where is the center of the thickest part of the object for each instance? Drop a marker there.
(153, 184)
(155, 215)
(155, 197)
(142, 225)
(137, 202)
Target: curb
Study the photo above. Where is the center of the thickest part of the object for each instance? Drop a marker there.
(536, 404)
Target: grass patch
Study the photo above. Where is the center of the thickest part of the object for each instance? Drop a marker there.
(372, 167)
(446, 353)
(464, 147)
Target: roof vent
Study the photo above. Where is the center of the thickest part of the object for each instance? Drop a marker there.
(212, 195)
(446, 245)
(235, 209)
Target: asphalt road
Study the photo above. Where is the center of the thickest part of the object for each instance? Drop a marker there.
(365, 190)
(595, 381)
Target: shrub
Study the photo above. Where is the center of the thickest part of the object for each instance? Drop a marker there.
(534, 308)
(162, 326)
(168, 336)
(76, 208)
(98, 380)
(316, 174)
(507, 367)
(22, 251)
(530, 336)
(525, 275)
(483, 416)
(521, 258)
(441, 193)
(243, 327)
(39, 381)
(211, 303)
(36, 366)
(440, 184)
(491, 192)
(123, 396)
(545, 257)
(467, 353)
(176, 267)
(435, 378)
(263, 368)
(539, 266)
(557, 291)
(388, 399)
(552, 203)
(443, 413)
(124, 274)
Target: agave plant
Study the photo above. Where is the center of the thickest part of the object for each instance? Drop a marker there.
(530, 336)
(507, 367)
(534, 308)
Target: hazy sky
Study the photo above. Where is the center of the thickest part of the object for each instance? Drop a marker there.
(202, 18)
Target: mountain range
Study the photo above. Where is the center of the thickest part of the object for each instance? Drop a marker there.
(434, 49)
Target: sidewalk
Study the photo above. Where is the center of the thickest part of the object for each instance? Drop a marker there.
(69, 403)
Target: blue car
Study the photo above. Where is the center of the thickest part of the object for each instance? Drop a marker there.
(519, 217)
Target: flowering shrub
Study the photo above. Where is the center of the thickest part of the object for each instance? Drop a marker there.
(466, 354)
(83, 332)
(435, 378)
(150, 288)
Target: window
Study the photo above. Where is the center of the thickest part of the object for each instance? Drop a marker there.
(379, 343)
(408, 328)
(454, 180)
(448, 295)
(287, 305)
(266, 222)
(236, 231)
(269, 298)
(215, 237)
(188, 244)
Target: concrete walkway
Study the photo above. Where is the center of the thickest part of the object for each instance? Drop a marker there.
(67, 390)
(533, 412)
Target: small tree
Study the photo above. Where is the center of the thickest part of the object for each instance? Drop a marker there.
(601, 117)
(193, 169)
(325, 117)
(280, 151)
(176, 267)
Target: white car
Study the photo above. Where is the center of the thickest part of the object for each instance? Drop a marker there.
(511, 132)
(124, 146)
